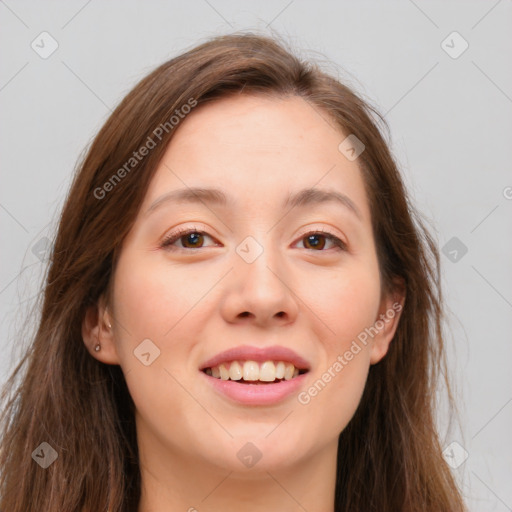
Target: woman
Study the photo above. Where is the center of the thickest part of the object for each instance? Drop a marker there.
(242, 310)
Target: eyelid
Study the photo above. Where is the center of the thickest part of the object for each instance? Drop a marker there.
(176, 234)
(336, 239)
(172, 237)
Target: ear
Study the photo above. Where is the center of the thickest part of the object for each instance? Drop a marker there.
(386, 322)
(98, 328)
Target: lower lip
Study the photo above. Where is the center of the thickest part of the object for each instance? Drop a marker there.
(256, 394)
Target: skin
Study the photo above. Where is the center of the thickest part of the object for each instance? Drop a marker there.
(195, 302)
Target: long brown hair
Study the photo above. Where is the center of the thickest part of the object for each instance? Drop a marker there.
(389, 455)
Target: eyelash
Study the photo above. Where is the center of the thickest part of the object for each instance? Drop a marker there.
(174, 237)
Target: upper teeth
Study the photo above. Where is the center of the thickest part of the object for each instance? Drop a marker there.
(267, 371)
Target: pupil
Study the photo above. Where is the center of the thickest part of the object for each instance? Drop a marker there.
(313, 243)
(193, 238)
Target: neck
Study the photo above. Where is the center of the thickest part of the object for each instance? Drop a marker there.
(177, 481)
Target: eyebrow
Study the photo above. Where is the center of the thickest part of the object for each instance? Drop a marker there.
(302, 198)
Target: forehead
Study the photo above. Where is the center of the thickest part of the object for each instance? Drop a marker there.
(258, 146)
(259, 123)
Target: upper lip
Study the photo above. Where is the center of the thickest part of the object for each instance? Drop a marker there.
(258, 354)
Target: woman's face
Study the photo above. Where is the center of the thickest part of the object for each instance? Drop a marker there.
(266, 274)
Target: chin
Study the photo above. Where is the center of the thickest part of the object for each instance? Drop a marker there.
(250, 455)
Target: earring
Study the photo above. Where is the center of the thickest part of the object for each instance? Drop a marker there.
(97, 348)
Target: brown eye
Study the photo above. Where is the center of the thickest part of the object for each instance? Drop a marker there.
(317, 241)
(189, 239)
(195, 239)
(314, 241)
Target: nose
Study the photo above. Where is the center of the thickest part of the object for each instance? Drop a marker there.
(260, 293)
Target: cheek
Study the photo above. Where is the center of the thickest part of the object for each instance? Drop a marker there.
(154, 299)
(346, 304)
(346, 301)
(152, 302)
(333, 396)
(336, 394)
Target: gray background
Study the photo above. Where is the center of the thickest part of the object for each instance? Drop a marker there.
(451, 132)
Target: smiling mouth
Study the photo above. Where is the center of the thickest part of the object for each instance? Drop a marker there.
(252, 372)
